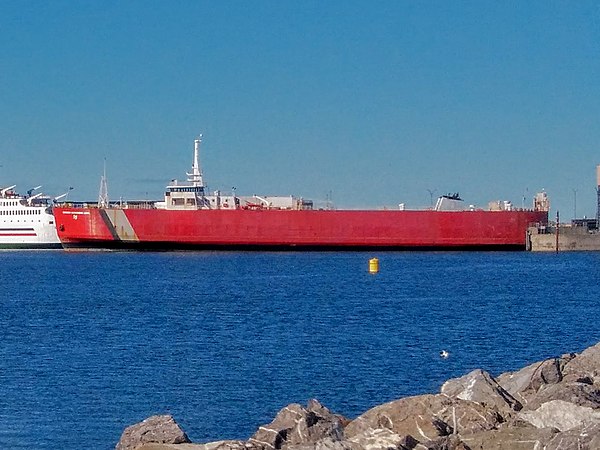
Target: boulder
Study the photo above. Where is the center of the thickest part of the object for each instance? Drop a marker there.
(217, 445)
(427, 417)
(524, 383)
(452, 442)
(584, 365)
(296, 425)
(510, 437)
(232, 445)
(382, 439)
(479, 386)
(372, 439)
(561, 415)
(580, 394)
(324, 444)
(174, 447)
(581, 438)
(160, 429)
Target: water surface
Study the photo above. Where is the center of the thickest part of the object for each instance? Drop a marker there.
(93, 342)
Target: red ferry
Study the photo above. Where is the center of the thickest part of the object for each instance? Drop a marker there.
(189, 218)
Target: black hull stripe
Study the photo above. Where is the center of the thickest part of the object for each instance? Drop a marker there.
(174, 246)
(30, 246)
(109, 224)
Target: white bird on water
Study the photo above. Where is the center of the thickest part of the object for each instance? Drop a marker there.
(444, 354)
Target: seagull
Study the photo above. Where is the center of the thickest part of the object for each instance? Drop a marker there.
(444, 354)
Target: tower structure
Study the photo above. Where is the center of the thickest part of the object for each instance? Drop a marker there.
(598, 197)
(103, 194)
(195, 177)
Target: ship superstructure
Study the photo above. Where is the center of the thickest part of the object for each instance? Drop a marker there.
(26, 221)
(191, 195)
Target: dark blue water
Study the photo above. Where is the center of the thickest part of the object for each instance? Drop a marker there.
(93, 342)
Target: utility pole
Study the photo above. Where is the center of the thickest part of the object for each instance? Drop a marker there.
(557, 227)
(598, 197)
(431, 192)
(574, 203)
(524, 198)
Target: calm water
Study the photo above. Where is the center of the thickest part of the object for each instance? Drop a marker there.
(93, 342)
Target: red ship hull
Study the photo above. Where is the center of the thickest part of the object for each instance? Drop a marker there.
(245, 229)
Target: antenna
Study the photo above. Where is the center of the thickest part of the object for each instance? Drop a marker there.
(103, 194)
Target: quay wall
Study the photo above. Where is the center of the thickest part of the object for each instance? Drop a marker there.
(570, 239)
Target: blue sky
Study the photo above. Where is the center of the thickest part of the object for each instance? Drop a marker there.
(371, 103)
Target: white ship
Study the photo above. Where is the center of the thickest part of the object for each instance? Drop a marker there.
(26, 221)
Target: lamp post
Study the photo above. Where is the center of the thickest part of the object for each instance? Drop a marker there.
(524, 198)
(431, 192)
(574, 203)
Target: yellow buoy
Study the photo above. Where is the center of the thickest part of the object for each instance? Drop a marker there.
(373, 265)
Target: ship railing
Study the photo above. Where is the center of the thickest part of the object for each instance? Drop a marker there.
(137, 204)
(542, 228)
(116, 205)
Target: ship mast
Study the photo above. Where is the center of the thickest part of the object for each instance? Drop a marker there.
(103, 194)
(196, 176)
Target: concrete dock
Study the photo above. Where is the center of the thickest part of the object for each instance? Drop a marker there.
(571, 238)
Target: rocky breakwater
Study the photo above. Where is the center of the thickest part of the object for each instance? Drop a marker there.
(550, 405)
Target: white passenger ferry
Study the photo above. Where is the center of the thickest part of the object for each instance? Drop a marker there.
(26, 221)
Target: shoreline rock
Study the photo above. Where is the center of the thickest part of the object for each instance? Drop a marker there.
(553, 404)
(160, 429)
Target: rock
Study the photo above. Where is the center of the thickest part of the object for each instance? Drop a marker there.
(426, 417)
(586, 364)
(324, 444)
(382, 439)
(295, 425)
(447, 443)
(580, 394)
(217, 445)
(479, 386)
(174, 447)
(155, 429)
(581, 438)
(549, 372)
(372, 439)
(232, 445)
(408, 416)
(511, 438)
(524, 383)
(561, 415)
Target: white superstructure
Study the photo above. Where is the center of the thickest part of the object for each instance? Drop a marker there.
(26, 221)
(191, 194)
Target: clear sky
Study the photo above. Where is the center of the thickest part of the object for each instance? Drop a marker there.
(370, 103)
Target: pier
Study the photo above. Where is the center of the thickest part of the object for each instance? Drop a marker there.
(576, 236)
